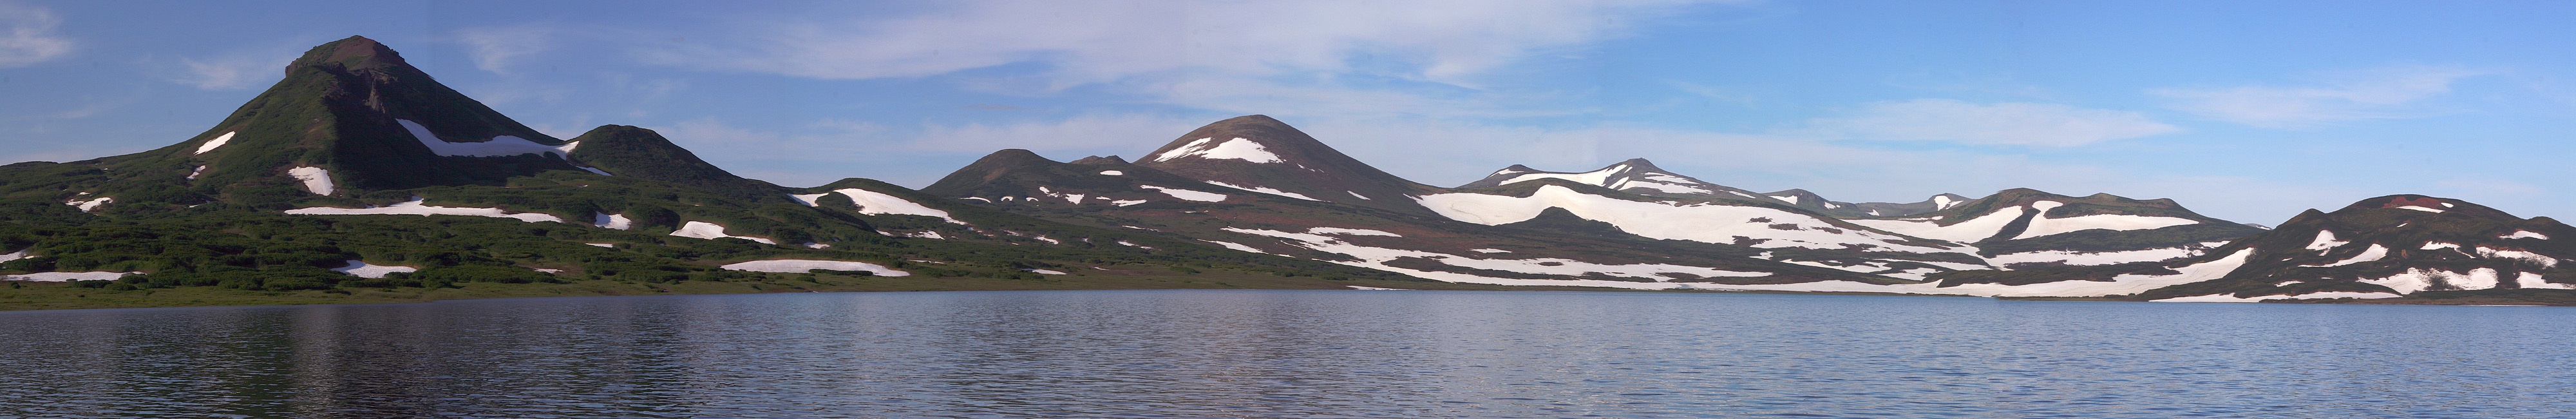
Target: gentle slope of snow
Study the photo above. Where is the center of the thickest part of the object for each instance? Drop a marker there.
(219, 141)
(316, 180)
(363, 270)
(802, 265)
(501, 146)
(707, 230)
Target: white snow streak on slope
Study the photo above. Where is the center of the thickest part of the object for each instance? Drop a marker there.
(1238, 149)
(2535, 258)
(1793, 199)
(1186, 194)
(316, 180)
(1942, 202)
(22, 254)
(192, 174)
(607, 245)
(1471, 250)
(90, 205)
(1235, 246)
(217, 142)
(2525, 235)
(1704, 222)
(1374, 257)
(361, 269)
(1350, 231)
(2325, 241)
(809, 199)
(67, 276)
(707, 230)
(2422, 208)
(416, 207)
(611, 221)
(2123, 284)
(2533, 280)
(802, 265)
(1596, 178)
(2042, 225)
(2440, 245)
(2419, 279)
(1965, 231)
(501, 146)
(2093, 258)
(593, 170)
(874, 203)
(1265, 190)
(1663, 187)
(2373, 253)
(2229, 298)
(1113, 173)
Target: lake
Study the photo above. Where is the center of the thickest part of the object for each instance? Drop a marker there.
(1296, 354)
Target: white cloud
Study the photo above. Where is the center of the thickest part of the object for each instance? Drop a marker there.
(1101, 41)
(242, 68)
(2037, 124)
(1080, 133)
(493, 49)
(27, 36)
(2379, 93)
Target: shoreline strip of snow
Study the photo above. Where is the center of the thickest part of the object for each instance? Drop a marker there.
(803, 265)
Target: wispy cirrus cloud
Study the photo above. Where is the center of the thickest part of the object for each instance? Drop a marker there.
(2378, 93)
(494, 49)
(239, 68)
(27, 35)
(2010, 123)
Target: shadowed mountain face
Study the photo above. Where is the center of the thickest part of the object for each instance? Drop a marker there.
(1261, 154)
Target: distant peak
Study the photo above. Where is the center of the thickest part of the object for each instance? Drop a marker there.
(355, 52)
(1641, 164)
(1101, 160)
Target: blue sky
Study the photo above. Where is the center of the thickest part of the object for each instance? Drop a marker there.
(2249, 111)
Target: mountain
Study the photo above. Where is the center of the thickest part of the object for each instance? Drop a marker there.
(2390, 246)
(1259, 154)
(2027, 227)
(1110, 193)
(359, 171)
(1641, 177)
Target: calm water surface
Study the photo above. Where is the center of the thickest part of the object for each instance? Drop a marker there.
(1298, 354)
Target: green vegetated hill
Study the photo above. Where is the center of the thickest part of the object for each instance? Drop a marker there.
(358, 178)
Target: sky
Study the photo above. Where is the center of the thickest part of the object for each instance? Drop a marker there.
(2246, 111)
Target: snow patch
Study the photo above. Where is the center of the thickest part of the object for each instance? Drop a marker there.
(1703, 221)
(1264, 190)
(1942, 202)
(416, 207)
(67, 276)
(2534, 258)
(2093, 258)
(1235, 246)
(2533, 280)
(2042, 225)
(1972, 230)
(192, 174)
(2123, 284)
(1489, 250)
(500, 146)
(1046, 271)
(217, 142)
(1238, 149)
(1186, 194)
(2524, 235)
(2227, 298)
(2419, 279)
(607, 245)
(707, 230)
(2325, 242)
(1350, 231)
(803, 265)
(1376, 257)
(875, 203)
(361, 269)
(611, 221)
(1113, 173)
(2375, 252)
(90, 205)
(316, 180)
(2422, 208)
(593, 170)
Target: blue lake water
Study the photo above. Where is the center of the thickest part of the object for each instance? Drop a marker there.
(1296, 354)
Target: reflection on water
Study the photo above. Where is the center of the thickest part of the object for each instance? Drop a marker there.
(1307, 354)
